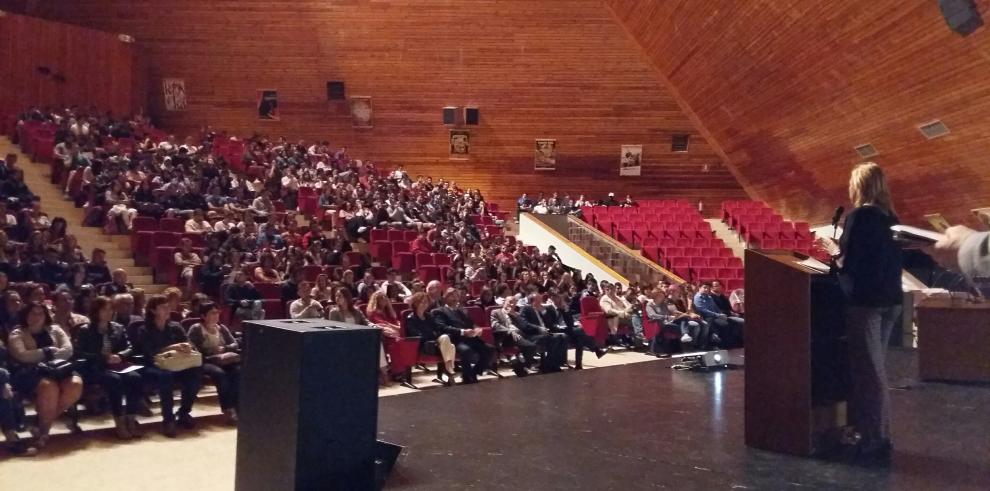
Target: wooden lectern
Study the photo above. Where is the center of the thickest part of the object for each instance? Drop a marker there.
(796, 376)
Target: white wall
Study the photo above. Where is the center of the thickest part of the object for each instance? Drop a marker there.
(535, 233)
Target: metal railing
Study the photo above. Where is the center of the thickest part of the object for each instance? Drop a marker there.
(625, 261)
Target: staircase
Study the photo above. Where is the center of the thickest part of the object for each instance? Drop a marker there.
(729, 236)
(118, 247)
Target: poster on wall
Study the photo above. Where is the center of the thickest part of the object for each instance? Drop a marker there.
(175, 94)
(545, 154)
(460, 144)
(631, 160)
(361, 111)
(268, 105)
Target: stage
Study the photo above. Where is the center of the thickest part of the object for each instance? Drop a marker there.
(645, 426)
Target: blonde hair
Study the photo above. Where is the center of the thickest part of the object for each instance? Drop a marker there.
(868, 186)
(377, 301)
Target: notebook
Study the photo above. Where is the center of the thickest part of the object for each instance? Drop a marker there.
(915, 234)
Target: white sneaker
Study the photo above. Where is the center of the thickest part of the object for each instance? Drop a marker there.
(686, 338)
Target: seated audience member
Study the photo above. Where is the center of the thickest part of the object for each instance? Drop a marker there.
(421, 244)
(97, 272)
(344, 311)
(118, 284)
(558, 318)
(435, 293)
(323, 291)
(509, 329)
(123, 310)
(37, 348)
(187, 260)
(554, 347)
(610, 200)
(173, 298)
(9, 310)
(104, 348)
(52, 271)
(212, 274)
(738, 301)
(7, 410)
(381, 314)
(290, 286)
(196, 224)
(63, 315)
(306, 307)
(245, 299)
(729, 328)
(660, 309)
(221, 357)
(160, 334)
(393, 288)
(266, 271)
(420, 324)
(617, 312)
(476, 356)
(720, 298)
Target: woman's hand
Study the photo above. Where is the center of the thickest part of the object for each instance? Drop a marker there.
(113, 359)
(829, 245)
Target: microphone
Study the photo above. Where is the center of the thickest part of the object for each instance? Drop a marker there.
(835, 220)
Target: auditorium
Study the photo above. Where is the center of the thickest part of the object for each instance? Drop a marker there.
(494, 244)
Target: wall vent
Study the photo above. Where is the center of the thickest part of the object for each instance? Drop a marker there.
(679, 143)
(934, 129)
(867, 150)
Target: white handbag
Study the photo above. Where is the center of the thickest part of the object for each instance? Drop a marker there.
(177, 361)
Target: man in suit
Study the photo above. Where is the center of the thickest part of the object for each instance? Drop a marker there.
(554, 344)
(559, 319)
(453, 320)
(508, 327)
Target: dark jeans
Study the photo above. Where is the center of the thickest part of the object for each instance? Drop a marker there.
(580, 340)
(476, 357)
(729, 329)
(227, 380)
(189, 381)
(527, 347)
(118, 388)
(6, 405)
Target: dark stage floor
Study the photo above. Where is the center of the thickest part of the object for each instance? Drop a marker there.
(644, 426)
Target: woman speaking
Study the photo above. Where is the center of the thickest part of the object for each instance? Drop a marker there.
(869, 262)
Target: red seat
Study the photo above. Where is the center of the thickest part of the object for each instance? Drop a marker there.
(409, 235)
(353, 258)
(717, 262)
(424, 259)
(403, 262)
(428, 273)
(381, 251)
(269, 290)
(378, 234)
(311, 271)
(379, 272)
(142, 246)
(396, 235)
(477, 315)
(593, 320)
(441, 259)
(274, 308)
(474, 289)
(171, 225)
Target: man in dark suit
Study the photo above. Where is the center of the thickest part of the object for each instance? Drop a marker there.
(558, 318)
(453, 320)
(509, 328)
(554, 345)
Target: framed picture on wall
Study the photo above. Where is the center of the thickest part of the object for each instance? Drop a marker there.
(174, 90)
(460, 144)
(545, 154)
(361, 111)
(268, 105)
(631, 160)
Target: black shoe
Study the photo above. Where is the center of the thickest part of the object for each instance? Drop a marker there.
(169, 430)
(600, 352)
(186, 421)
(518, 367)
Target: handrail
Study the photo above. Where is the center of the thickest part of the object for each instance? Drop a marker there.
(632, 253)
(580, 251)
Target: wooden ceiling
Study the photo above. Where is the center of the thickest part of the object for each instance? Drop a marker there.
(560, 69)
(786, 88)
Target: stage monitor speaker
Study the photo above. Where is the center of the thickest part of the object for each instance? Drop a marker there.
(962, 16)
(335, 91)
(472, 116)
(309, 407)
(450, 115)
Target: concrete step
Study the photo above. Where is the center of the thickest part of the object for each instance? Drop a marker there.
(151, 289)
(140, 279)
(729, 236)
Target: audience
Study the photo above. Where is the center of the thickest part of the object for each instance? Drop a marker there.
(476, 356)
(221, 356)
(727, 328)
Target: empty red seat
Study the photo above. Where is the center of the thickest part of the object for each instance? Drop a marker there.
(381, 251)
(171, 225)
(409, 235)
(269, 290)
(378, 234)
(441, 259)
(403, 261)
(428, 273)
(717, 262)
(424, 259)
(396, 235)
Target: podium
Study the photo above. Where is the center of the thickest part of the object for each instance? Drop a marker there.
(309, 407)
(796, 373)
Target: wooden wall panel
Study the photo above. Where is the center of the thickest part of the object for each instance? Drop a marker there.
(787, 88)
(536, 68)
(98, 68)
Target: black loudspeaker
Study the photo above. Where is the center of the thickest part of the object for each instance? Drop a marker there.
(450, 115)
(335, 91)
(961, 15)
(472, 116)
(309, 408)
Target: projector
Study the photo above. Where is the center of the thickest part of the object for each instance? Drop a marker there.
(718, 358)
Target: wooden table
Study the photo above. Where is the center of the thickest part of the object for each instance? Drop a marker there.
(953, 340)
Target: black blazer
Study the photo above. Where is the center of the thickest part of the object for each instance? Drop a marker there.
(450, 321)
(533, 322)
(871, 260)
(89, 344)
(552, 317)
(424, 329)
